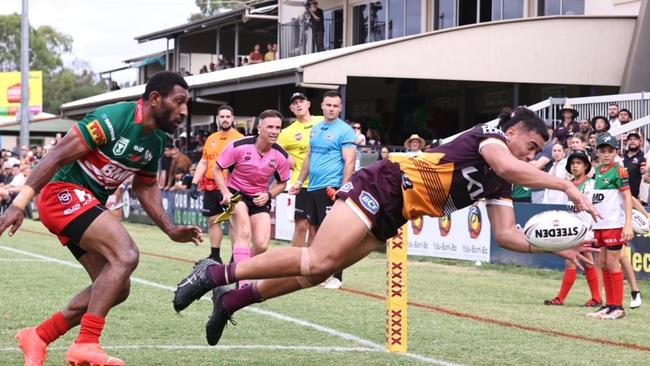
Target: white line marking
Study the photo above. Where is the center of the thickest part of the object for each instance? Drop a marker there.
(304, 323)
(21, 260)
(175, 347)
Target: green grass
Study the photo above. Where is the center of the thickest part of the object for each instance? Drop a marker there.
(32, 290)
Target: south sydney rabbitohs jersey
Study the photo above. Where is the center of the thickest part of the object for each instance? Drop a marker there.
(453, 176)
(118, 149)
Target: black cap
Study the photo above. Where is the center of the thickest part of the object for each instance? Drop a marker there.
(581, 154)
(633, 133)
(296, 96)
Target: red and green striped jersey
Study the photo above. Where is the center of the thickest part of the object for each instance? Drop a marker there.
(608, 198)
(119, 149)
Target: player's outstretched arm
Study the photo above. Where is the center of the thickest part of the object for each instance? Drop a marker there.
(148, 194)
(498, 157)
(66, 151)
(502, 220)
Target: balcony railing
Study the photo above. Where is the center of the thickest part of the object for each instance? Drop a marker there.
(297, 37)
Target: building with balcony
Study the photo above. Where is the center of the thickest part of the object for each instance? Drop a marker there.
(433, 67)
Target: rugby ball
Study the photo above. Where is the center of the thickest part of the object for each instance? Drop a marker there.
(640, 224)
(555, 230)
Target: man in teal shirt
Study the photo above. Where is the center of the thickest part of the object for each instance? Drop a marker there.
(329, 165)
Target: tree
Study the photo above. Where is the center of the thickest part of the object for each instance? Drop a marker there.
(211, 7)
(60, 84)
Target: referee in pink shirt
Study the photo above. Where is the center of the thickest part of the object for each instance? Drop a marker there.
(251, 162)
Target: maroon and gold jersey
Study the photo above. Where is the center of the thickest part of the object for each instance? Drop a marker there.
(453, 176)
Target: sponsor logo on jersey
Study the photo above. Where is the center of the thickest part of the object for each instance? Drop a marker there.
(406, 182)
(120, 146)
(135, 157)
(298, 136)
(72, 209)
(138, 148)
(347, 187)
(330, 137)
(97, 132)
(110, 126)
(148, 156)
(273, 163)
(369, 202)
(64, 197)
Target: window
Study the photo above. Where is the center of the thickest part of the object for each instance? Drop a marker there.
(446, 14)
(403, 17)
(561, 7)
(333, 37)
(507, 9)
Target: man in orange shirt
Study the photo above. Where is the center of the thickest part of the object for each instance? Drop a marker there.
(204, 175)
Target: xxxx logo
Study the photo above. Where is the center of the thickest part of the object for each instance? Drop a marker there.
(396, 283)
(396, 321)
(398, 240)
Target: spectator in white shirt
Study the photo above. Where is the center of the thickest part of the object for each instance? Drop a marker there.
(558, 169)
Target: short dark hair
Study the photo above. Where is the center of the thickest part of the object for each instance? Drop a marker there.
(529, 120)
(270, 113)
(163, 82)
(332, 94)
(626, 111)
(227, 108)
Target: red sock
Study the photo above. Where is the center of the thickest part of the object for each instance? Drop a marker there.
(567, 282)
(609, 293)
(91, 328)
(618, 286)
(54, 327)
(592, 279)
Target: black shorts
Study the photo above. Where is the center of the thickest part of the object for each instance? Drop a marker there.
(212, 203)
(77, 227)
(375, 194)
(253, 209)
(317, 205)
(299, 212)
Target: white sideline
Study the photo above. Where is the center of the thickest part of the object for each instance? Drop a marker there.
(176, 347)
(370, 344)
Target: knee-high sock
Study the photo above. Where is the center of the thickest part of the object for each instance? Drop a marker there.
(54, 327)
(92, 326)
(592, 279)
(618, 287)
(567, 282)
(242, 297)
(609, 293)
(241, 253)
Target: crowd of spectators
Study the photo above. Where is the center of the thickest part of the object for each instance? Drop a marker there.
(575, 132)
(256, 56)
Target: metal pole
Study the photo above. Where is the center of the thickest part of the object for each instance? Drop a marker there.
(24, 77)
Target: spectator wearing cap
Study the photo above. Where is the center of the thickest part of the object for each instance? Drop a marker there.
(295, 140)
(634, 161)
(415, 143)
(568, 127)
(612, 113)
(600, 123)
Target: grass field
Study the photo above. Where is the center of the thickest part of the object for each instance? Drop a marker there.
(461, 314)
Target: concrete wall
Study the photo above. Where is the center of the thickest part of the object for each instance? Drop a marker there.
(612, 7)
(562, 50)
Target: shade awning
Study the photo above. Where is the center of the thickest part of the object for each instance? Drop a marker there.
(479, 52)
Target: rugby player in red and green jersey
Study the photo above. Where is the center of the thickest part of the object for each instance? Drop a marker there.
(111, 144)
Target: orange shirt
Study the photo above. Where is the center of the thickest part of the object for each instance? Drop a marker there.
(215, 145)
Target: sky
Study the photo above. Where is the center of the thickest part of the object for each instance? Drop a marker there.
(103, 31)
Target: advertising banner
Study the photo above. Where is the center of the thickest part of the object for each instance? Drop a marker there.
(284, 224)
(10, 93)
(464, 235)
